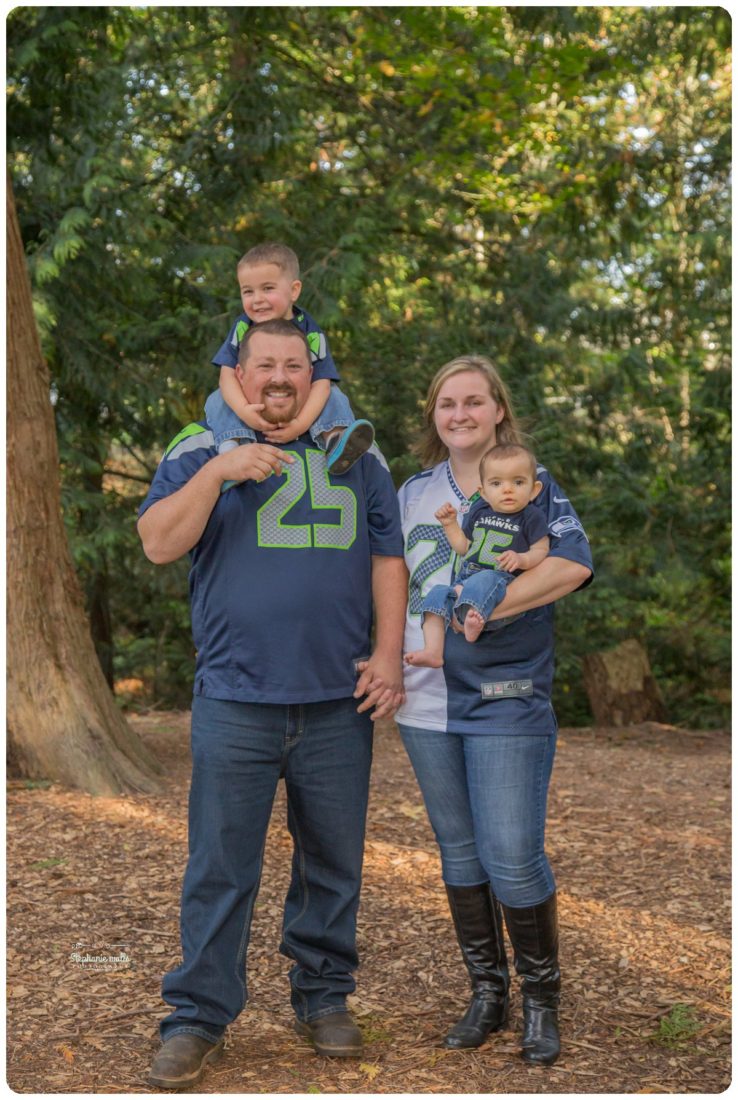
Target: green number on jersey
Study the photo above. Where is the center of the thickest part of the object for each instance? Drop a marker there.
(273, 531)
(437, 558)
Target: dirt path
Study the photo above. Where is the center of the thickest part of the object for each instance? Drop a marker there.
(639, 837)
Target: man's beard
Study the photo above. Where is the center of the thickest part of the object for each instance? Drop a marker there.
(279, 416)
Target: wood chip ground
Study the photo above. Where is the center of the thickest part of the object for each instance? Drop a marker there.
(639, 837)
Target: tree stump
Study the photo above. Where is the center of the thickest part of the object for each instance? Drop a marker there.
(621, 687)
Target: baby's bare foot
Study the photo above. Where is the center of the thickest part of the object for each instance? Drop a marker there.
(473, 625)
(424, 658)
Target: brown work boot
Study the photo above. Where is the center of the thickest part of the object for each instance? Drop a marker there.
(333, 1036)
(181, 1061)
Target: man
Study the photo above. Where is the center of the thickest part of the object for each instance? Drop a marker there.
(284, 566)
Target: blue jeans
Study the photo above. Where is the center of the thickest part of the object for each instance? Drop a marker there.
(239, 752)
(486, 800)
(482, 589)
(226, 425)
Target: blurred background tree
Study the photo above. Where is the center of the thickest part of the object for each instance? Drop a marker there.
(548, 186)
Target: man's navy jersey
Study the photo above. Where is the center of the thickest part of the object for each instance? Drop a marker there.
(322, 360)
(280, 581)
(502, 682)
(491, 533)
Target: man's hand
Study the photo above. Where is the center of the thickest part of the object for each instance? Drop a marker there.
(447, 514)
(381, 682)
(251, 462)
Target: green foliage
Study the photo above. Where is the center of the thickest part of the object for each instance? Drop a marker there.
(547, 186)
(677, 1028)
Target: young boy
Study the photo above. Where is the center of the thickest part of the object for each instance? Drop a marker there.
(269, 282)
(503, 533)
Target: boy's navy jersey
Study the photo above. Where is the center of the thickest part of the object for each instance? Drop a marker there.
(323, 365)
(491, 533)
(280, 581)
(502, 682)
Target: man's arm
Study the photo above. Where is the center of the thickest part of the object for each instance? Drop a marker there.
(553, 578)
(381, 675)
(171, 527)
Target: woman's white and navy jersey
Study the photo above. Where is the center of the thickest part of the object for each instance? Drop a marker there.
(502, 682)
(280, 581)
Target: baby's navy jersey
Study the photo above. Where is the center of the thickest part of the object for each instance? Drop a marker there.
(491, 533)
(280, 581)
(502, 682)
(322, 360)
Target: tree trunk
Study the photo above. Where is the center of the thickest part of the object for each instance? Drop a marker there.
(621, 687)
(63, 723)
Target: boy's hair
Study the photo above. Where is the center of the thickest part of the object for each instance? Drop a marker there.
(508, 450)
(277, 326)
(272, 253)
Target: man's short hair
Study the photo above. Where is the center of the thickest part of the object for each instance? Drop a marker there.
(271, 252)
(508, 450)
(278, 326)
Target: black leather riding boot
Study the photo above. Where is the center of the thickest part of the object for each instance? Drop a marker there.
(534, 935)
(478, 922)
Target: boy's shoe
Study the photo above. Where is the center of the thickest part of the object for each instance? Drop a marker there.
(344, 450)
(181, 1061)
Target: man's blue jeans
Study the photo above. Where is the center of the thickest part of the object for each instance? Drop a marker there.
(239, 753)
(486, 799)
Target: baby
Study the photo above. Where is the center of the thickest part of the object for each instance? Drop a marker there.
(502, 534)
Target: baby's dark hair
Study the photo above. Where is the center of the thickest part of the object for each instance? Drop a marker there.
(508, 450)
(272, 253)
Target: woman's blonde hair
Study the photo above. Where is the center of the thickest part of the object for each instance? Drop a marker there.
(429, 448)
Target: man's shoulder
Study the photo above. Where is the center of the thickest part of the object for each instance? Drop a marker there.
(194, 437)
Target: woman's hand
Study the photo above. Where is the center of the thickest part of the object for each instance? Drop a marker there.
(381, 682)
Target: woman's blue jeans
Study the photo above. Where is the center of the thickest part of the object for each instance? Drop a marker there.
(239, 752)
(486, 800)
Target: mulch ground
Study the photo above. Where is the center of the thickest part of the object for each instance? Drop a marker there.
(639, 837)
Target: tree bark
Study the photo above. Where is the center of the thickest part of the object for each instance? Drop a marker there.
(621, 688)
(63, 723)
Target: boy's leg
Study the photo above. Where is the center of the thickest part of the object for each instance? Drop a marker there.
(343, 438)
(227, 428)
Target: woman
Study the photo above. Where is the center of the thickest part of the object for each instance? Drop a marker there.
(480, 731)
